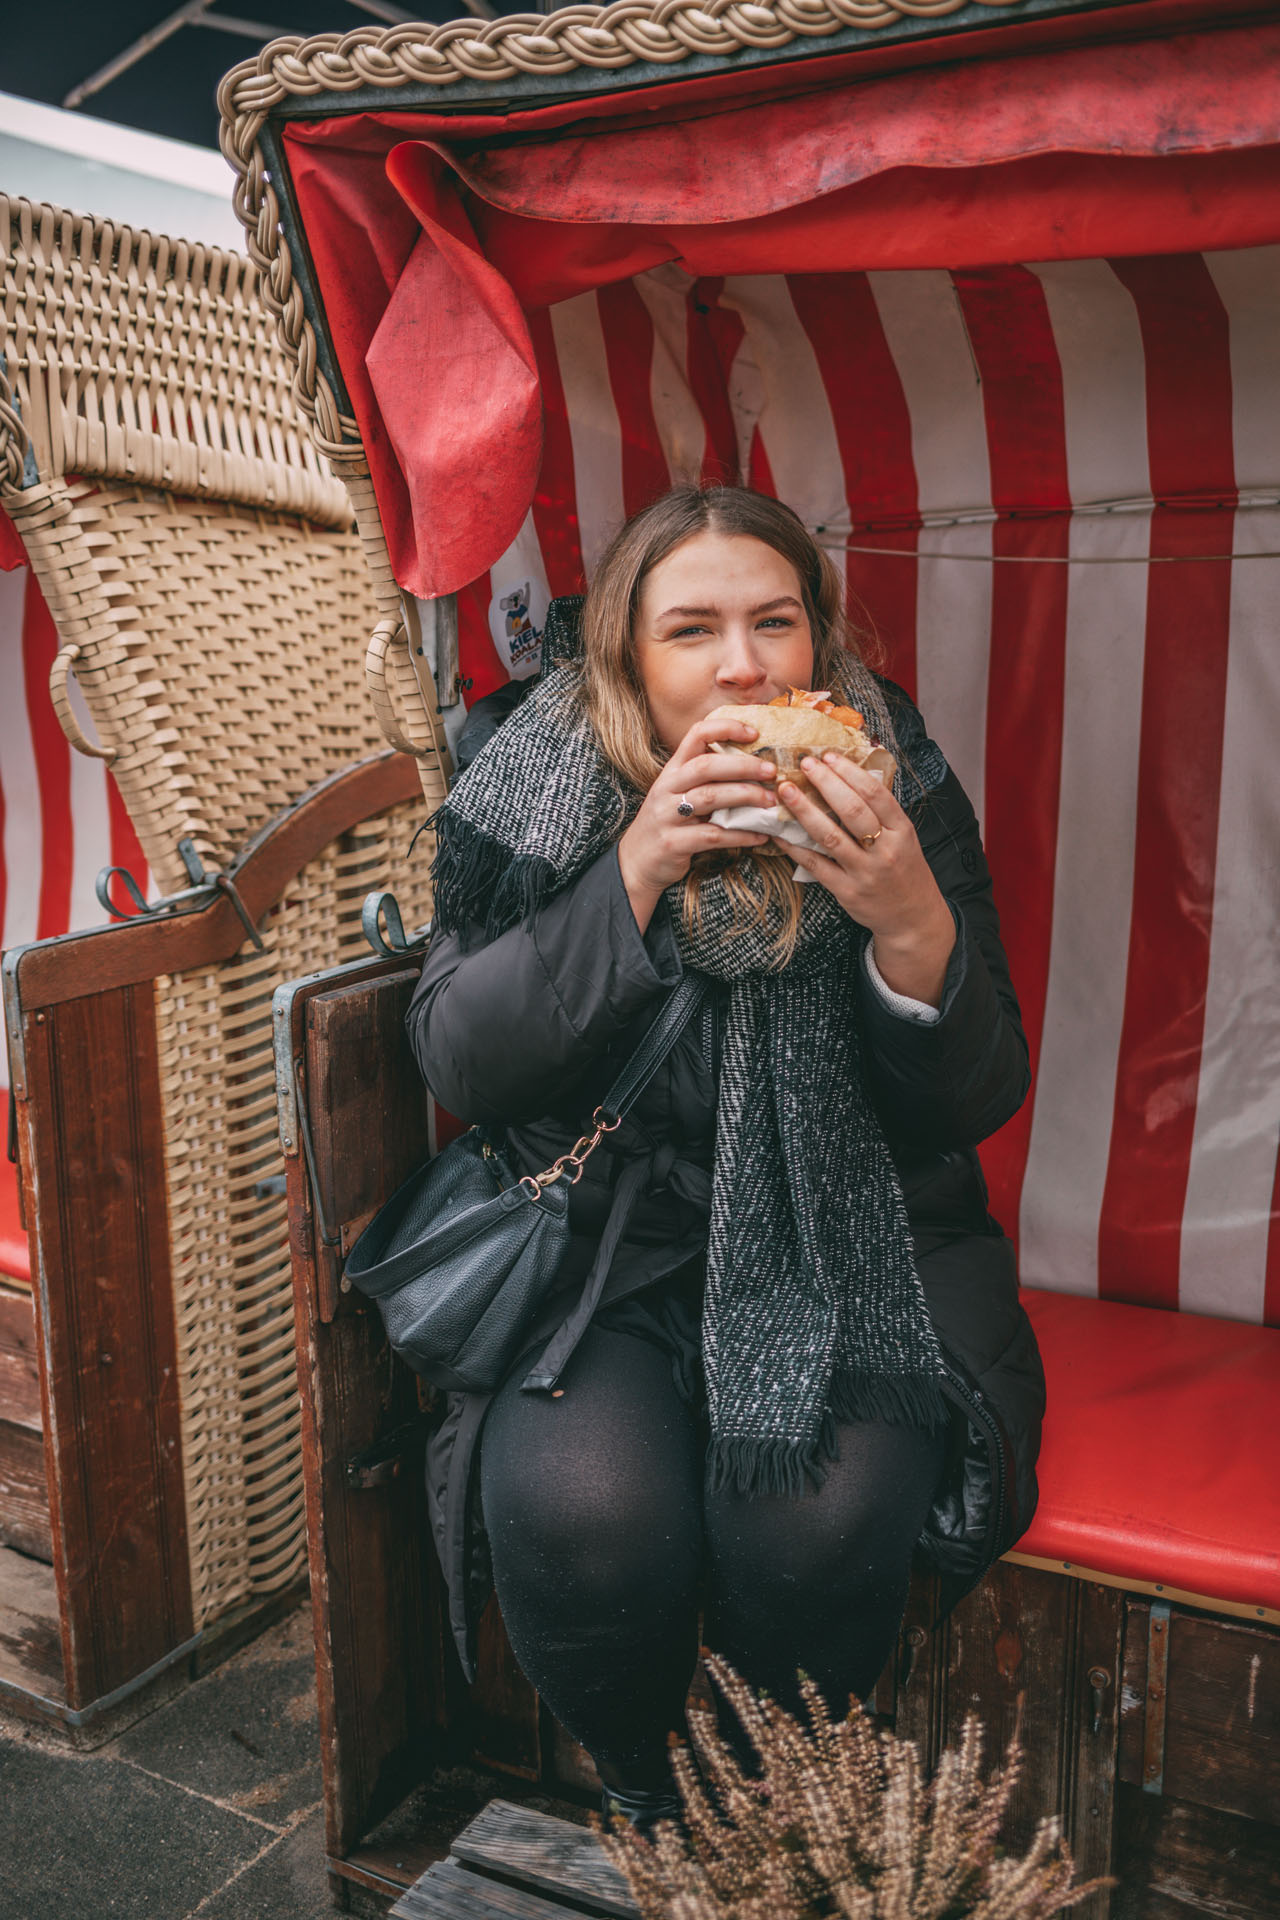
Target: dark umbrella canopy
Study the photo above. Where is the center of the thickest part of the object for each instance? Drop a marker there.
(155, 65)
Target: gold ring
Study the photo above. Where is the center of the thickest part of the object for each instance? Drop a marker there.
(869, 839)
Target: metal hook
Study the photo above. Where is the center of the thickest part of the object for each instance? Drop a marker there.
(201, 879)
(102, 888)
(225, 884)
(200, 876)
(380, 909)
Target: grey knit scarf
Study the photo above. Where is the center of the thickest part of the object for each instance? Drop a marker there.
(814, 1313)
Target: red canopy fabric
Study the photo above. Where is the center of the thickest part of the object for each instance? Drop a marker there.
(431, 251)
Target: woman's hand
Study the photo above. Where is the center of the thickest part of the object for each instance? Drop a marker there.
(872, 861)
(658, 847)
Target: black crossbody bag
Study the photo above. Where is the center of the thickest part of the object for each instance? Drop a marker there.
(462, 1257)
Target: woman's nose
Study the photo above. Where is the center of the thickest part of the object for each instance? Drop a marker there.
(739, 665)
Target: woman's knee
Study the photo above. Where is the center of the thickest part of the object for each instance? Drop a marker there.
(854, 1533)
(604, 1497)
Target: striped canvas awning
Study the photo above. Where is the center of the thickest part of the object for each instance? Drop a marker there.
(1055, 491)
(1005, 335)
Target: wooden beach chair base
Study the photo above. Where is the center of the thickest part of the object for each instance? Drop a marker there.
(1136, 1628)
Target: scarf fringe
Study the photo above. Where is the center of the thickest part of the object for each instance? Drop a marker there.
(474, 878)
(900, 1400)
(749, 1466)
(743, 1464)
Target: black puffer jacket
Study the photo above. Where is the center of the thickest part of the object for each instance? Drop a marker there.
(530, 1029)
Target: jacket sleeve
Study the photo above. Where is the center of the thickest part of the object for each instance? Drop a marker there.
(951, 1083)
(503, 1032)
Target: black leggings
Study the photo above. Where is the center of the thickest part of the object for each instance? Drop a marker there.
(604, 1539)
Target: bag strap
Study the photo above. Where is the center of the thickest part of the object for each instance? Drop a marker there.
(684, 1001)
(682, 1004)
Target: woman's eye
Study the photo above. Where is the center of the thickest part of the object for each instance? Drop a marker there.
(778, 620)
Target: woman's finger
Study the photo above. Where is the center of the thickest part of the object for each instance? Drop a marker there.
(703, 732)
(706, 800)
(869, 787)
(828, 871)
(710, 768)
(853, 819)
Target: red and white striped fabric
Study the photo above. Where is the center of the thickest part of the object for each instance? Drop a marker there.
(61, 818)
(1029, 448)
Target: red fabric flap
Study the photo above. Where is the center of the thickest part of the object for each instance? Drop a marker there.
(1201, 93)
(453, 370)
(1121, 149)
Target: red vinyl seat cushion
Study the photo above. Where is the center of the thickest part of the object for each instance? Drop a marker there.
(1161, 1461)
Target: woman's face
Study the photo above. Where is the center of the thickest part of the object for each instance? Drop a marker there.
(721, 619)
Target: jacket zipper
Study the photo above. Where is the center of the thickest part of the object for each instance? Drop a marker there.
(979, 1413)
(710, 1049)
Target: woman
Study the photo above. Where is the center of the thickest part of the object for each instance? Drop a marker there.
(808, 1356)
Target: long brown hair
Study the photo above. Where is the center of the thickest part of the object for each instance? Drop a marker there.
(614, 694)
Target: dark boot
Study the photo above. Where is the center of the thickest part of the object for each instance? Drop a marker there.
(641, 1809)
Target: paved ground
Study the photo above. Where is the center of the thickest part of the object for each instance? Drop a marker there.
(209, 1807)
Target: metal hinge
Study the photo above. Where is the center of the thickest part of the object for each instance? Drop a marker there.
(378, 1464)
(1153, 1720)
(328, 1238)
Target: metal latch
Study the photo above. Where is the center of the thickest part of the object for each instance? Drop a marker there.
(378, 1464)
(912, 1641)
(1099, 1681)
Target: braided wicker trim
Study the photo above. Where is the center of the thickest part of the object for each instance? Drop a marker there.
(663, 32)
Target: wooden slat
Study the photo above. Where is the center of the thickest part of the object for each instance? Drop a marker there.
(24, 1492)
(533, 1851)
(91, 1136)
(381, 1642)
(1089, 1796)
(1221, 1712)
(19, 1367)
(1179, 1862)
(504, 1715)
(447, 1891)
(30, 1643)
(368, 1114)
(1032, 1636)
(366, 1104)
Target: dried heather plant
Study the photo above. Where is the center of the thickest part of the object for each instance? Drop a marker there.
(839, 1822)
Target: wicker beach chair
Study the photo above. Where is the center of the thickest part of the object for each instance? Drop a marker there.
(214, 606)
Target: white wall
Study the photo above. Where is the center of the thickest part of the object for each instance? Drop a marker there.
(92, 166)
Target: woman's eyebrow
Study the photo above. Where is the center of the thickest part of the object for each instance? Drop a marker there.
(707, 613)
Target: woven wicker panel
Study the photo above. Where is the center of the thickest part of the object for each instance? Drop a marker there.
(230, 1240)
(132, 356)
(220, 655)
(195, 547)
